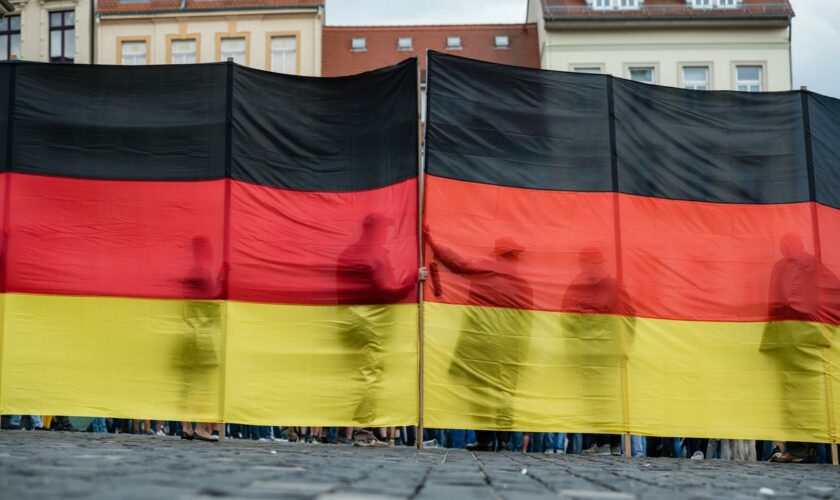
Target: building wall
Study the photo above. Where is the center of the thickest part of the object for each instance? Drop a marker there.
(256, 26)
(668, 49)
(34, 28)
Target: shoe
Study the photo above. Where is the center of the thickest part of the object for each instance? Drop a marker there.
(379, 444)
(432, 443)
(160, 433)
(262, 439)
(42, 428)
(344, 440)
(472, 447)
(698, 455)
(786, 458)
(188, 437)
(590, 451)
(392, 442)
(211, 439)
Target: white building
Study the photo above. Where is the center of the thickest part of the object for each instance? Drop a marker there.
(47, 31)
(697, 44)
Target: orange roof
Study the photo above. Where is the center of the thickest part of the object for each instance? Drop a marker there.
(561, 10)
(159, 6)
(478, 41)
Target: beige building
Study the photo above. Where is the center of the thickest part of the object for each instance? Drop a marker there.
(274, 35)
(47, 31)
(697, 44)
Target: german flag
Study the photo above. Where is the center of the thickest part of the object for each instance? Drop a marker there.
(209, 242)
(616, 257)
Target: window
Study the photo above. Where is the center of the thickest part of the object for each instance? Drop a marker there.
(62, 36)
(696, 77)
(714, 4)
(601, 4)
(133, 53)
(404, 43)
(358, 44)
(628, 4)
(453, 42)
(615, 4)
(9, 37)
(234, 48)
(595, 70)
(644, 74)
(748, 78)
(284, 54)
(502, 42)
(183, 51)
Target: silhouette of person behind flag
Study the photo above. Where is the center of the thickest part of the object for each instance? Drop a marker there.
(199, 358)
(365, 276)
(803, 292)
(494, 339)
(600, 319)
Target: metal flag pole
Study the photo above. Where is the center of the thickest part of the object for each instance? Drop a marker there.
(420, 193)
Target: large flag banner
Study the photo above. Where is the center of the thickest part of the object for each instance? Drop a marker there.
(209, 242)
(614, 257)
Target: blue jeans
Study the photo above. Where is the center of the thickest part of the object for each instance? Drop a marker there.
(515, 442)
(457, 438)
(638, 446)
(438, 434)
(260, 431)
(98, 425)
(555, 441)
(36, 420)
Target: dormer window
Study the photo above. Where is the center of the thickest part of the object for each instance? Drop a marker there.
(615, 4)
(453, 43)
(404, 43)
(358, 44)
(502, 42)
(714, 4)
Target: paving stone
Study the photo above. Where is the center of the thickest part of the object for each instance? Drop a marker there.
(95, 466)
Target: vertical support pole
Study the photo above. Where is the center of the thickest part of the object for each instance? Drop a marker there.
(420, 309)
(229, 68)
(6, 212)
(619, 272)
(815, 230)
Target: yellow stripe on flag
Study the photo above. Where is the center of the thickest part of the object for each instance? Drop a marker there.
(490, 368)
(164, 359)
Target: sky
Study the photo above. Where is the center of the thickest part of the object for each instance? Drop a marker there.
(816, 28)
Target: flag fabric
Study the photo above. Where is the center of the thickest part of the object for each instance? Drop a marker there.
(209, 242)
(617, 257)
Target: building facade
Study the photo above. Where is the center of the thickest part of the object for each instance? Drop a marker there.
(48, 31)
(282, 36)
(696, 44)
(355, 49)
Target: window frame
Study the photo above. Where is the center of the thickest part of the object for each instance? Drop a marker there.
(121, 40)
(602, 4)
(654, 67)
(496, 41)
(353, 47)
(460, 45)
(245, 35)
(170, 39)
(410, 43)
(268, 55)
(762, 77)
(700, 64)
(577, 67)
(8, 34)
(62, 28)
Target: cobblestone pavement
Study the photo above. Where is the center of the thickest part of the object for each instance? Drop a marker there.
(79, 465)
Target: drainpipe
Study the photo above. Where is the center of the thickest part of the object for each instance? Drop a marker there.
(93, 5)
